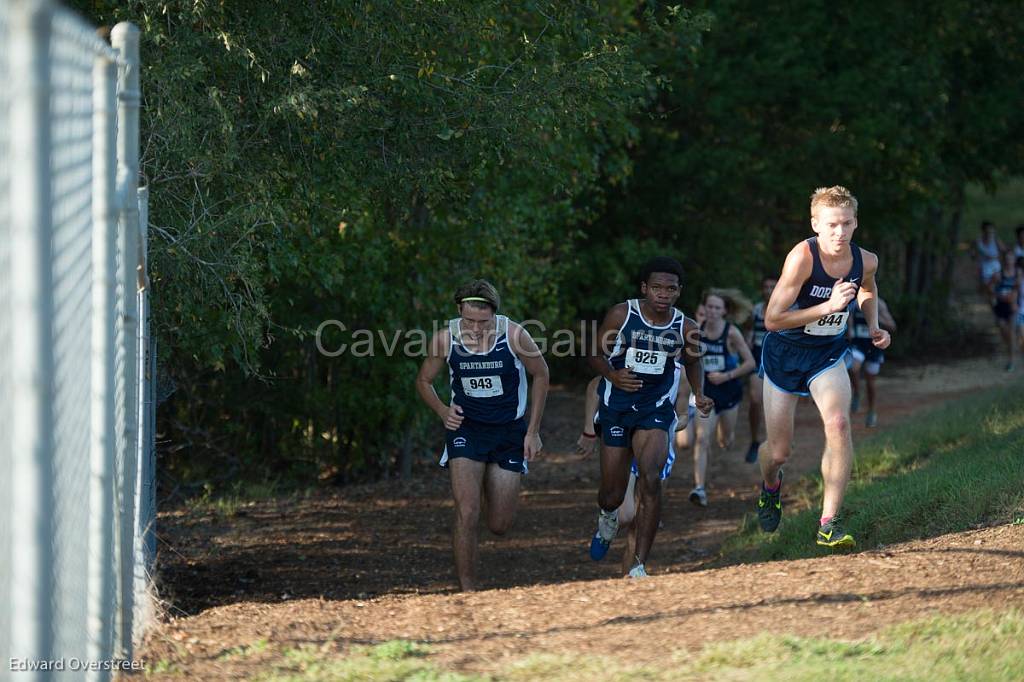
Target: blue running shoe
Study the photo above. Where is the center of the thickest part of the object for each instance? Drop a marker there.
(752, 452)
(607, 527)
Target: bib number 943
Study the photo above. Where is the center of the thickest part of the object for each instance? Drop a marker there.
(482, 387)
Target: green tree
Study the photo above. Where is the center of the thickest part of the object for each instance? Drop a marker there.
(355, 161)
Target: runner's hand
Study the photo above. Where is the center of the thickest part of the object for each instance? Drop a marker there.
(881, 338)
(682, 419)
(716, 377)
(842, 294)
(625, 380)
(532, 446)
(586, 444)
(704, 405)
(453, 420)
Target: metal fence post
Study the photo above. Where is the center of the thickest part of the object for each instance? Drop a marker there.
(125, 41)
(104, 233)
(145, 478)
(31, 343)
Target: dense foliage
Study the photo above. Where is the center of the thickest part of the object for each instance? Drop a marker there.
(355, 161)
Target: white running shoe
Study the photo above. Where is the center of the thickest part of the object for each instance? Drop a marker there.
(607, 527)
(608, 524)
(699, 496)
(638, 571)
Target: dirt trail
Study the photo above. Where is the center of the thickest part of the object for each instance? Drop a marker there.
(844, 596)
(347, 566)
(370, 563)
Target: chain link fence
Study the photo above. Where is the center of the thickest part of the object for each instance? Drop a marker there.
(76, 359)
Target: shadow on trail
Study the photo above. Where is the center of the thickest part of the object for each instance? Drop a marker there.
(743, 607)
(339, 547)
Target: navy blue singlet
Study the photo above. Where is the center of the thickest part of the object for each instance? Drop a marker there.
(650, 351)
(818, 288)
(489, 386)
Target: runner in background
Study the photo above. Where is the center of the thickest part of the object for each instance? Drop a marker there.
(865, 355)
(685, 438)
(637, 346)
(987, 248)
(755, 337)
(721, 342)
(588, 441)
(1004, 286)
(1018, 248)
(1020, 302)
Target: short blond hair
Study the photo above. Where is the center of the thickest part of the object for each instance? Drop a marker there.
(836, 196)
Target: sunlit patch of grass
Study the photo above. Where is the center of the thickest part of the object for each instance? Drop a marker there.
(947, 470)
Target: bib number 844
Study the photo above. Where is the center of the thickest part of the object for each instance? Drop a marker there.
(827, 325)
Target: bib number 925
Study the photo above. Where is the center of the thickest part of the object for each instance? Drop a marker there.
(646, 361)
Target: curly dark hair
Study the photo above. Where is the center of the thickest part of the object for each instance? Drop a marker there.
(669, 266)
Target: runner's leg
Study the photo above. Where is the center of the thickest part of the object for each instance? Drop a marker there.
(627, 516)
(615, 462)
(855, 380)
(702, 448)
(831, 393)
(779, 411)
(727, 427)
(685, 438)
(869, 380)
(467, 481)
(501, 488)
(651, 446)
(756, 407)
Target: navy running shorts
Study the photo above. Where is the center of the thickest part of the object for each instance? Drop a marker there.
(726, 395)
(666, 470)
(756, 352)
(500, 444)
(617, 427)
(791, 367)
(1003, 310)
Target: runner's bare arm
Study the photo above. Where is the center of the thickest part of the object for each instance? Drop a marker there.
(691, 359)
(738, 346)
(796, 271)
(602, 348)
(885, 319)
(590, 407)
(431, 367)
(533, 360)
(867, 299)
(682, 402)
(587, 442)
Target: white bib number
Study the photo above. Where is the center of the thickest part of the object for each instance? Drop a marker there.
(828, 325)
(646, 361)
(482, 387)
(860, 331)
(713, 363)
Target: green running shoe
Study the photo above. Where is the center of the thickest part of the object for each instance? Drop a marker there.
(769, 507)
(831, 534)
